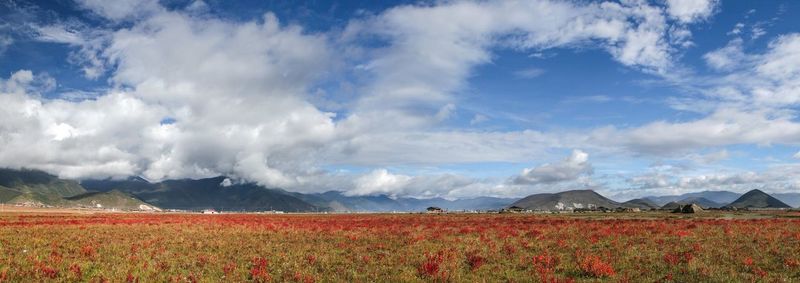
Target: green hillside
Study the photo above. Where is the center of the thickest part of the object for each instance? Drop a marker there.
(110, 200)
(36, 187)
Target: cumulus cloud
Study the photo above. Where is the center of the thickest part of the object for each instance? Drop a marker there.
(709, 158)
(431, 50)
(726, 58)
(438, 147)
(239, 110)
(449, 186)
(723, 127)
(779, 178)
(749, 104)
(687, 11)
(89, 44)
(121, 10)
(569, 169)
(241, 104)
(380, 182)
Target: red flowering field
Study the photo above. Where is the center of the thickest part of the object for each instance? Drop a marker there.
(646, 247)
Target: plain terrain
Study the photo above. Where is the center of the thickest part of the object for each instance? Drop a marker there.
(91, 245)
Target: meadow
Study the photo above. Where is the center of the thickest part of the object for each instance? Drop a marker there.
(643, 247)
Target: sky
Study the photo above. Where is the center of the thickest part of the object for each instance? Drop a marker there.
(452, 99)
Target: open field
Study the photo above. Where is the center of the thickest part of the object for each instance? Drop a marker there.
(639, 247)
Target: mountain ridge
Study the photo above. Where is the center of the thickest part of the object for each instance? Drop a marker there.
(757, 199)
(32, 187)
(722, 197)
(566, 200)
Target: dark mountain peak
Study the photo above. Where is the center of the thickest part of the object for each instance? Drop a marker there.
(578, 192)
(758, 199)
(566, 200)
(701, 201)
(641, 203)
(754, 192)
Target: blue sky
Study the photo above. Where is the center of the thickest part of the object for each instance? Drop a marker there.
(445, 98)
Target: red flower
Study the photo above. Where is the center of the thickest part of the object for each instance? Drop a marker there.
(474, 260)
(258, 270)
(76, 270)
(595, 267)
(88, 251)
(748, 261)
(432, 266)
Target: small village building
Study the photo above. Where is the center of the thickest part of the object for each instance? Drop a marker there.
(514, 209)
(434, 209)
(689, 208)
(628, 209)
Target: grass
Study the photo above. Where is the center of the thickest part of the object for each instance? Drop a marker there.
(641, 247)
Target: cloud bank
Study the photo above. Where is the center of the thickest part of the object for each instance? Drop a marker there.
(242, 97)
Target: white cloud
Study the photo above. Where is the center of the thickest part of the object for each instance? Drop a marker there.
(59, 34)
(5, 42)
(726, 58)
(780, 178)
(569, 169)
(723, 127)
(448, 186)
(237, 97)
(737, 29)
(438, 147)
(478, 118)
(709, 158)
(379, 182)
(529, 73)
(89, 43)
(430, 51)
(780, 62)
(121, 10)
(688, 11)
(757, 32)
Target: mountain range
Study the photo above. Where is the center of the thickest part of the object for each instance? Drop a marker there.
(209, 193)
(581, 199)
(37, 188)
(718, 197)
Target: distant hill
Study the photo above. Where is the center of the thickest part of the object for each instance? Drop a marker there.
(671, 205)
(757, 199)
(565, 201)
(35, 187)
(714, 196)
(338, 201)
(206, 193)
(32, 187)
(702, 202)
(640, 203)
(113, 199)
(792, 199)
